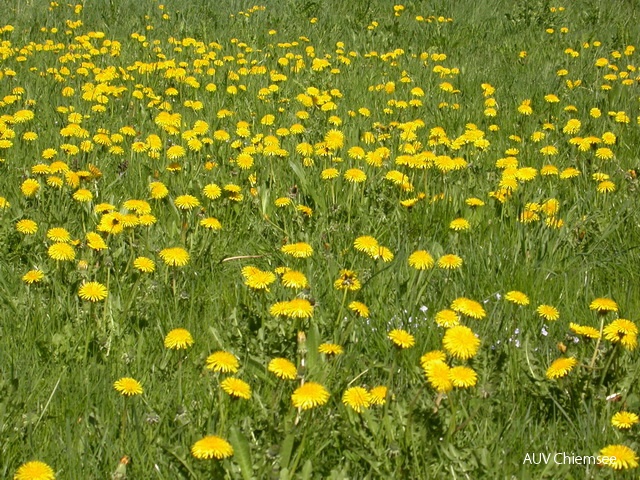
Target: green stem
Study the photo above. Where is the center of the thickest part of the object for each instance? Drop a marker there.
(344, 299)
(349, 208)
(390, 387)
(180, 380)
(424, 287)
(132, 297)
(87, 331)
(595, 350)
(609, 362)
(104, 314)
(452, 421)
(222, 421)
(123, 423)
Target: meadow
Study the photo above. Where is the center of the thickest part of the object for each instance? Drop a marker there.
(300, 239)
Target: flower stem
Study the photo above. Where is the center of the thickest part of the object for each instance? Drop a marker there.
(614, 351)
(452, 422)
(344, 299)
(595, 350)
(180, 380)
(123, 422)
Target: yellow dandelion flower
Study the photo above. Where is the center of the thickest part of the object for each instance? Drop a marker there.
(421, 260)
(548, 312)
(334, 139)
(623, 331)
(569, 173)
(236, 388)
(305, 210)
(212, 191)
(158, 190)
(516, 297)
(83, 195)
(62, 251)
(141, 207)
(283, 368)
(329, 173)
(93, 291)
(460, 225)
(128, 386)
(624, 420)
(58, 234)
(401, 338)
(294, 279)
(461, 342)
(347, 280)
(620, 457)
(432, 356)
(468, 307)
(186, 202)
(175, 256)
(299, 308)
(95, 241)
(282, 202)
(584, 331)
(222, 362)
(310, 395)
(211, 223)
(176, 151)
(30, 187)
(298, 250)
(356, 398)
(211, 446)
(450, 262)
(330, 349)
(104, 207)
(378, 395)
(34, 470)
(33, 276)
(144, 264)
(603, 305)
(359, 309)
(549, 150)
(474, 202)
(463, 377)
(257, 279)
(447, 318)
(606, 186)
(366, 244)
(609, 138)
(561, 367)
(604, 153)
(27, 227)
(355, 175)
(178, 339)
(437, 373)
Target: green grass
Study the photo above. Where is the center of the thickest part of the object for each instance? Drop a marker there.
(60, 355)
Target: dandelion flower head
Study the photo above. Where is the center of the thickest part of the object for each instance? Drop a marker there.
(34, 470)
(223, 362)
(128, 386)
(211, 446)
(310, 395)
(356, 398)
(178, 339)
